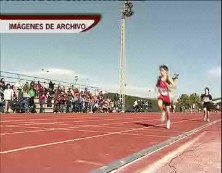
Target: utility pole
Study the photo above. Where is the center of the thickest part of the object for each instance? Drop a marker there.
(126, 12)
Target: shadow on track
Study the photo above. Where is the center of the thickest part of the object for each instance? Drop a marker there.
(149, 125)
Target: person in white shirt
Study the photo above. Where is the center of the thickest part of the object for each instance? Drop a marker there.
(8, 94)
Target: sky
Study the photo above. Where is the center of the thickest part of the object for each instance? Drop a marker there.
(184, 35)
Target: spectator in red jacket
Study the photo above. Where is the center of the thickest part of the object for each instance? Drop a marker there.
(42, 101)
(57, 98)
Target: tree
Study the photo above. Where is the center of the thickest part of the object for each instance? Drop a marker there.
(195, 99)
(186, 100)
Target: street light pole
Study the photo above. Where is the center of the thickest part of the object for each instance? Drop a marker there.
(126, 12)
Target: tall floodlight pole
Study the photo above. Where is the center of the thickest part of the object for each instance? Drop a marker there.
(126, 12)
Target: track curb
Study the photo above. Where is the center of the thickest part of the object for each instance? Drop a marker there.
(147, 151)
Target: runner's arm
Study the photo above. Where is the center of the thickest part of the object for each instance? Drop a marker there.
(210, 98)
(172, 84)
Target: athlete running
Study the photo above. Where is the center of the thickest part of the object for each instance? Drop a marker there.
(164, 84)
(206, 99)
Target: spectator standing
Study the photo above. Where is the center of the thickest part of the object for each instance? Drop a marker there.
(32, 84)
(2, 87)
(8, 96)
(62, 102)
(57, 99)
(26, 87)
(22, 102)
(14, 104)
(51, 87)
(69, 101)
(49, 99)
(42, 101)
(32, 94)
(2, 84)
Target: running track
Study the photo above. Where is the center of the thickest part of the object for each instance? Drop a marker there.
(83, 143)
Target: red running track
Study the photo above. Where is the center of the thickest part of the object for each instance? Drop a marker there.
(81, 143)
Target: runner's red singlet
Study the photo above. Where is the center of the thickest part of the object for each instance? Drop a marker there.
(163, 92)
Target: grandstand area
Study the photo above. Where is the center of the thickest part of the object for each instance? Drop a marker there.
(64, 97)
(53, 96)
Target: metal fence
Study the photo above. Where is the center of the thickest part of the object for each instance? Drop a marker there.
(17, 79)
(14, 78)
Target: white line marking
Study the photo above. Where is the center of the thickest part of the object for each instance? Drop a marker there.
(87, 130)
(78, 139)
(48, 130)
(154, 167)
(42, 129)
(49, 117)
(74, 117)
(59, 122)
(78, 126)
(210, 124)
(89, 162)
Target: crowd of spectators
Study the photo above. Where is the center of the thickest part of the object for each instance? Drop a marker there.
(24, 98)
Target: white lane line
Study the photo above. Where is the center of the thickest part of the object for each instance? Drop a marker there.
(77, 139)
(80, 126)
(89, 162)
(42, 129)
(73, 117)
(88, 131)
(141, 158)
(51, 117)
(157, 165)
(60, 122)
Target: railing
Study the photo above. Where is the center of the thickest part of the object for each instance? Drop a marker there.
(13, 78)
(217, 99)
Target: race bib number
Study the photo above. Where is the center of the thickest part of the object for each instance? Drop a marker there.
(163, 92)
(206, 99)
